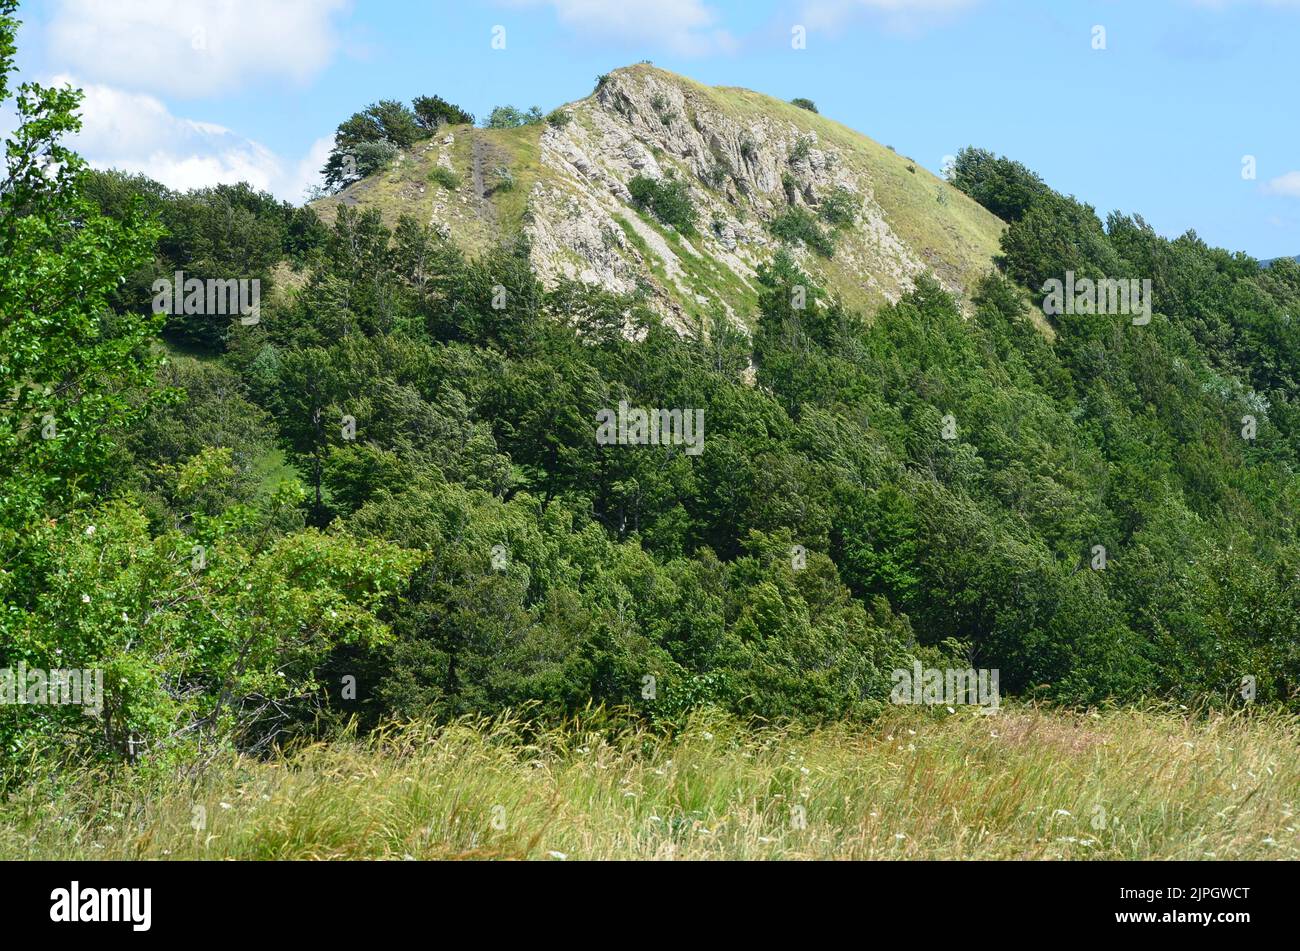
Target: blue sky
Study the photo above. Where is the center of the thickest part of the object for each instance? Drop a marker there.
(1158, 123)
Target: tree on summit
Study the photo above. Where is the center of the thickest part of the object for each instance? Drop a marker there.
(369, 140)
(433, 111)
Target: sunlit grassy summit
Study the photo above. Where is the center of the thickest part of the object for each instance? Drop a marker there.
(759, 173)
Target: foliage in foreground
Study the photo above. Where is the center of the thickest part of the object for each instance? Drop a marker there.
(1023, 784)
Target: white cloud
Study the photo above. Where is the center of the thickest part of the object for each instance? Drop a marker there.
(193, 47)
(687, 27)
(307, 174)
(137, 133)
(904, 15)
(1287, 185)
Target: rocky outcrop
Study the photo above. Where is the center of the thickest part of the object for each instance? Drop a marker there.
(743, 169)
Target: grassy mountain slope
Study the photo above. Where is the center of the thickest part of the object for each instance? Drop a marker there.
(747, 157)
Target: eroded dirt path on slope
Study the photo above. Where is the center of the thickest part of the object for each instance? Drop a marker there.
(482, 153)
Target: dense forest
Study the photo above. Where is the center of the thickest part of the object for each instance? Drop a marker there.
(383, 497)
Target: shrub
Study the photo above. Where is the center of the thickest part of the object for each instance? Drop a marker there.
(804, 104)
(559, 118)
(789, 186)
(668, 199)
(839, 208)
(508, 117)
(433, 111)
(505, 179)
(802, 149)
(372, 157)
(798, 225)
(441, 175)
(716, 176)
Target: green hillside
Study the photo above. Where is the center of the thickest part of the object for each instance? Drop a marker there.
(923, 222)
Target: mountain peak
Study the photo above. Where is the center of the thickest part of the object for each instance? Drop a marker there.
(657, 184)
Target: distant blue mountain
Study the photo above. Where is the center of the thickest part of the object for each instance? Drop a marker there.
(1271, 260)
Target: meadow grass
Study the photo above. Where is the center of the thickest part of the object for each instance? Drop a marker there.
(1023, 784)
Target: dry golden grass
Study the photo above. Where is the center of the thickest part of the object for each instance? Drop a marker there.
(1024, 784)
